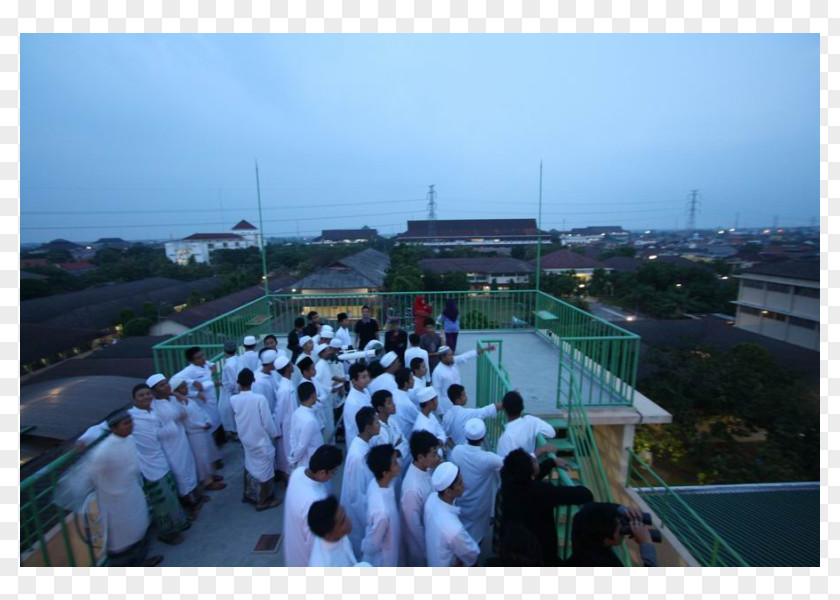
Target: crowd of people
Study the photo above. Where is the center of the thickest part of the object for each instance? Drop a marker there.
(419, 486)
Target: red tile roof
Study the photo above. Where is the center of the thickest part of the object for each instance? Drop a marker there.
(213, 236)
(244, 225)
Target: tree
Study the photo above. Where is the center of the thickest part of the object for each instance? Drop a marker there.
(137, 327)
(628, 251)
(126, 314)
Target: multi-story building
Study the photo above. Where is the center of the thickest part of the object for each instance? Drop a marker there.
(781, 301)
(346, 236)
(593, 235)
(482, 273)
(481, 234)
(199, 246)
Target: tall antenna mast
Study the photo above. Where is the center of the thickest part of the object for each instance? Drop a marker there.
(692, 210)
(539, 230)
(432, 207)
(262, 235)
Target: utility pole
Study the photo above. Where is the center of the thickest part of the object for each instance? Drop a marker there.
(539, 230)
(692, 210)
(262, 234)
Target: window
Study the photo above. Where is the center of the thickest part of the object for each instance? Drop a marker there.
(769, 314)
(749, 310)
(211, 246)
(778, 287)
(751, 283)
(806, 323)
(807, 292)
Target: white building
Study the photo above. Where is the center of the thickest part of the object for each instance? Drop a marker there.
(200, 245)
(781, 301)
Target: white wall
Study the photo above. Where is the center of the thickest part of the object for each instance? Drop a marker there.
(167, 327)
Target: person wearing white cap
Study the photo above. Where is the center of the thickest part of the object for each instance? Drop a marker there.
(264, 383)
(446, 373)
(391, 363)
(426, 419)
(416, 487)
(456, 419)
(325, 334)
(305, 429)
(283, 411)
(448, 544)
(406, 409)
(249, 358)
(177, 447)
(306, 346)
(357, 397)
(228, 389)
(202, 389)
(357, 476)
(415, 351)
(338, 368)
(381, 542)
(325, 380)
(306, 367)
(480, 470)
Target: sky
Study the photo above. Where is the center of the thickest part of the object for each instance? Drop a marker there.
(156, 136)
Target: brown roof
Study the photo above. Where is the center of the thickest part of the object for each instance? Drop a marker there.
(809, 270)
(475, 265)
(244, 225)
(76, 266)
(213, 236)
(566, 259)
(471, 228)
(40, 341)
(338, 235)
(623, 264)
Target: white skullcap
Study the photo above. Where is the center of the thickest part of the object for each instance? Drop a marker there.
(320, 348)
(444, 475)
(249, 340)
(443, 350)
(426, 394)
(155, 379)
(301, 357)
(175, 382)
(303, 339)
(281, 361)
(475, 429)
(373, 345)
(268, 356)
(335, 343)
(388, 359)
(327, 331)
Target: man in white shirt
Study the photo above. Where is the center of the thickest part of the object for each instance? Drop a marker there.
(343, 332)
(521, 430)
(391, 362)
(480, 470)
(426, 419)
(328, 521)
(406, 410)
(447, 542)
(330, 385)
(305, 431)
(389, 432)
(416, 487)
(264, 382)
(306, 344)
(283, 412)
(199, 376)
(307, 485)
(415, 351)
(457, 417)
(249, 358)
(381, 542)
(228, 389)
(446, 373)
(357, 475)
(358, 397)
(421, 374)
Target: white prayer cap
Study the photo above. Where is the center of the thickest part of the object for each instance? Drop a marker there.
(301, 357)
(320, 348)
(155, 379)
(387, 360)
(335, 343)
(443, 350)
(175, 382)
(475, 429)
(444, 475)
(249, 340)
(303, 339)
(268, 356)
(281, 361)
(426, 394)
(327, 331)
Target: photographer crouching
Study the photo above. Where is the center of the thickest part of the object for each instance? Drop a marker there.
(599, 527)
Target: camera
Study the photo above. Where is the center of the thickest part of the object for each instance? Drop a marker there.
(624, 522)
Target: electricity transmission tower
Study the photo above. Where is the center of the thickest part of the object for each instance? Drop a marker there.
(693, 209)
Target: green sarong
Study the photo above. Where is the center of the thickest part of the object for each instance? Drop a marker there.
(165, 509)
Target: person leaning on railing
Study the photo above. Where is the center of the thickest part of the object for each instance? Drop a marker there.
(596, 530)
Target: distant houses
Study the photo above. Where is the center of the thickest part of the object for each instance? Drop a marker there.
(593, 235)
(199, 246)
(360, 273)
(481, 234)
(562, 261)
(482, 273)
(346, 236)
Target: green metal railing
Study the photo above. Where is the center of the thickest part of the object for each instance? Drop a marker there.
(698, 537)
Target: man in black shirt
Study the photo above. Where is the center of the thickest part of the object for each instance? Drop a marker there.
(293, 343)
(367, 329)
(314, 324)
(396, 340)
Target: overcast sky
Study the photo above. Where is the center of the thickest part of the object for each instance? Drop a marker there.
(155, 136)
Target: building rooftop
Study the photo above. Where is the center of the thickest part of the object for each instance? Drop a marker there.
(808, 270)
(209, 237)
(365, 269)
(34, 276)
(196, 315)
(490, 228)
(475, 265)
(567, 259)
(76, 266)
(243, 225)
(607, 229)
(339, 235)
(38, 341)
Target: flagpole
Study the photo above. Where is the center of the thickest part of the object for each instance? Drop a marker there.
(539, 229)
(262, 234)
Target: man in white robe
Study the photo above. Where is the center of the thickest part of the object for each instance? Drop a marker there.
(415, 351)
(255, 426)
(416, 487)
(381, 542)
(356, 399)
(115, 471)
(328, 382)
(480, 470)
(521, 430)
(406, 410)
(249, 358)
(342, 334)
(357, 475)
(306, 345)
(426, 419)
(264, 382)
(446, 373)
(457, 416)
(328, 521)
(307, 484)
(447, 542)
(228, 389)
(391, 362)
(306, 367)
(199, 376)
(305, 433)
(389, 431)
(283, 411)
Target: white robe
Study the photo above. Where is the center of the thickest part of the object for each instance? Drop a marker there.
(200, 438)
(298, 539)
(446, 537)
(115, 471)
(480, 471)
(93, 433)
(264, 385)
(446, 375)
(305, 436)
(283, 411)
(297, 377)
(381, 543)
(386, 381)
(406, 414)
(256, 430)
(323, 378)
(389, 433)
(522, 433)
(417, 352)
(430, 424)
(416, 487)
(148, 436)
(203, 375)
(332, 554)
(456, 419)
(248, 360)
(344, 335)
(354, 484)
(177, 447)
(355, 401)
(228, 389)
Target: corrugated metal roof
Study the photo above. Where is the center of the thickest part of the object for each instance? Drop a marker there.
(475, 265)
